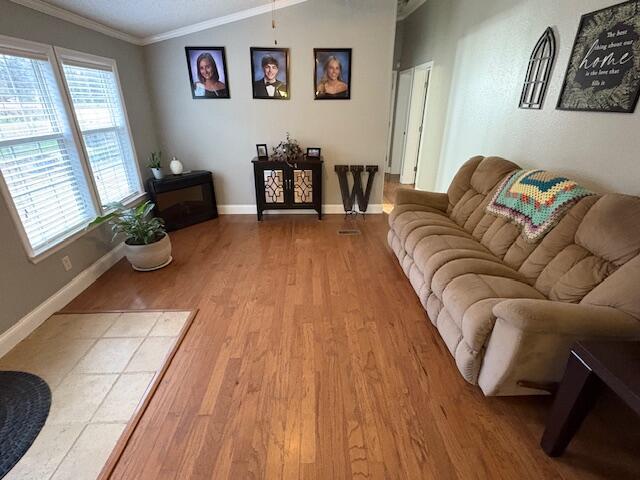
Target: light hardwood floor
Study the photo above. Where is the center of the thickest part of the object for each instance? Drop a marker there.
(391, 186)
(311, 357)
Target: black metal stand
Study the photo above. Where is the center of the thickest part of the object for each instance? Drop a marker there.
(356, 193)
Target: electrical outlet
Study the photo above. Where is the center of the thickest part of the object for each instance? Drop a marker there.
(66, 261)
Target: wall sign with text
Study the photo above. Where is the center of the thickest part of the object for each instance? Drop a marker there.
(604, 68)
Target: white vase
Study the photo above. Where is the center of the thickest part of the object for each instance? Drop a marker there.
(176, 166)
(149, 257)
(157, 173)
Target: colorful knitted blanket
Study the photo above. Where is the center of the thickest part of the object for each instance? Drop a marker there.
(535, 200)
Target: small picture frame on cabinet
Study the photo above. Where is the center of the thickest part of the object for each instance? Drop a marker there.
(313, 152)
(263, 152)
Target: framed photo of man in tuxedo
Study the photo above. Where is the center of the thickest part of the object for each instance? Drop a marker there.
(270, 73)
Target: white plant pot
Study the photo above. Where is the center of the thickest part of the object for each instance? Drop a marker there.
(157, 173)
(145, 258)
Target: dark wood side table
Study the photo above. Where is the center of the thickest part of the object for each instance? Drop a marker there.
(281, 185)
(591, 367)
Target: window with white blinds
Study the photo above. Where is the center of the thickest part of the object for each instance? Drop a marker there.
(39, 160)
(100, 115)
(57, 168)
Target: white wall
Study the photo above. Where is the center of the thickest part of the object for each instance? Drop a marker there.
(220, 135)
(481, 50)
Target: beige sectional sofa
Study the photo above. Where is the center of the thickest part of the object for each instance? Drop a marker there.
(507, 309)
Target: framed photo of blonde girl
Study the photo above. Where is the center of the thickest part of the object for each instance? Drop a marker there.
(332, 75)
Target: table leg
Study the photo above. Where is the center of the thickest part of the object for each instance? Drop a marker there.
(576, 395)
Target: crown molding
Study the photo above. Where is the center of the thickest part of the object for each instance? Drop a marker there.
(76, 19)
(413, 6)
(71, 17)
(216, 22)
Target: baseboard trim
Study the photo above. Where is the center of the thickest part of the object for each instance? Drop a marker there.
(328, 209)
(58, 300)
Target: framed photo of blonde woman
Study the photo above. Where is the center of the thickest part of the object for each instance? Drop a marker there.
(332, 73)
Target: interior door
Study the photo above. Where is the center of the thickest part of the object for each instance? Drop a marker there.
(400, 120)
(414, 125)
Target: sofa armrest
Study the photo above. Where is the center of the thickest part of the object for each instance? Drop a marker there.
(547, 316)
(438, 201)
(530, 341)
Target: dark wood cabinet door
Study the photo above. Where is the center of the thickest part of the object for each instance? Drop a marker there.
(302, 186)
(274, 186)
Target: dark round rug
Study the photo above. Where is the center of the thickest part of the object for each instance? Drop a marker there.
(24, 406)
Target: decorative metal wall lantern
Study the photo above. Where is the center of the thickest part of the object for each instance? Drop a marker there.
(539, 71)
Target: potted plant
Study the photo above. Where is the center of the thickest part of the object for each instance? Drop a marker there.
(155, 164)
(147, 245)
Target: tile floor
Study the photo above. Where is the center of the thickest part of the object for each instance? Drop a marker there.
(99, 367)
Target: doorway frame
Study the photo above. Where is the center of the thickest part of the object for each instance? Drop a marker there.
(428, 67)
(392, 111)
(400, 118)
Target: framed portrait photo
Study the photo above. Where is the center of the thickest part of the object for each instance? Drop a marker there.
(261, 150)
(270, 73)
(207, 72)
(603, 74)
(332, 74)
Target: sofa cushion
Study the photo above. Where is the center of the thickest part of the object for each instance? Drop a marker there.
(539, 266)
(462, 180)
(407, 222)
(462, 266)
(486, 175)
(419, 234)
(611, 228)
(620, 290)
(458, 244)
(430, 264)
(399, 210)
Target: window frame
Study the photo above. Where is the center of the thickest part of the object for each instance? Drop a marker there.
(54, 56)
(102, 63)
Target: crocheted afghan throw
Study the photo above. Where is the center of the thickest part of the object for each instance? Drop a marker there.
(535, 200)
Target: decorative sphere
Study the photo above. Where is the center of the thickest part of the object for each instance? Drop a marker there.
(176, 166)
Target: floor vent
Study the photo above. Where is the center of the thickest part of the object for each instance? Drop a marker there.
(352, 231)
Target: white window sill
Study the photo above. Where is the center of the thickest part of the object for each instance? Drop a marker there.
(40, 255)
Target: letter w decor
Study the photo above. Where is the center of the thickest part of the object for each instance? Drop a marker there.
(356, 193)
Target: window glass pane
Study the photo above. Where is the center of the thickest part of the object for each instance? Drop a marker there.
(38, 157)
(26, 107)
(96, 101)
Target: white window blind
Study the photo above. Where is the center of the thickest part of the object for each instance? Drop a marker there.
(39, 159)
(101, 119)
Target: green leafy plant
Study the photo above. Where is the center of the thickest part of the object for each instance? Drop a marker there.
(155, 161)
(135, 223)
(287, 150)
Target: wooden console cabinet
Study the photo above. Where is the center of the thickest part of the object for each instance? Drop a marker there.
(281, 185)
